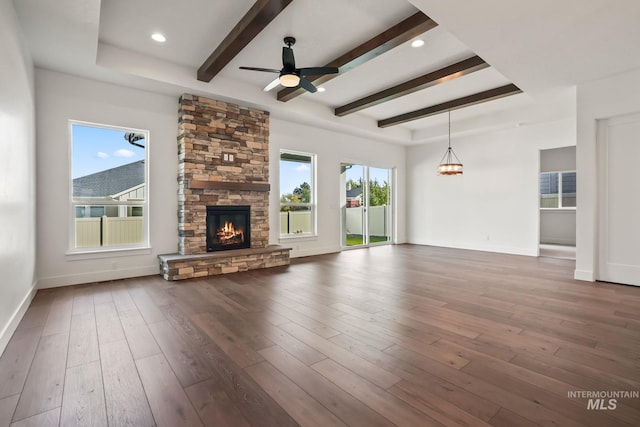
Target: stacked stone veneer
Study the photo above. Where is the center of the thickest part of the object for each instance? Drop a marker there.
(178, 267)
(211, 132)
(207, 129)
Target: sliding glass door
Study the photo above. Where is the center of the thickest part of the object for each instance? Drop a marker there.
(353, 201)
(379, 212)
(365, 204)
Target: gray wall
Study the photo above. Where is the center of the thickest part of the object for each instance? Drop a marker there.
(558, 159)
(558, 226)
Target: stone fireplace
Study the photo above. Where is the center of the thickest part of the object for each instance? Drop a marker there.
(223, 167)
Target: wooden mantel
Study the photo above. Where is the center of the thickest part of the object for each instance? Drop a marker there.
(226, 185)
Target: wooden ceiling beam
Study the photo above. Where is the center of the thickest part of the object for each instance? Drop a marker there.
(459, 69)
(411, 27)
(254, 21)
(455, 104)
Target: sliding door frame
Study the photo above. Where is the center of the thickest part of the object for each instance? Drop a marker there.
(390, 225)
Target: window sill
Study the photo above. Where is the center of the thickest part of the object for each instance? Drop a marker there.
(558, 209)
(76, 255)
(299, 237)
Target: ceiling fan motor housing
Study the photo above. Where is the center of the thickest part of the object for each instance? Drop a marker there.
(289, 75)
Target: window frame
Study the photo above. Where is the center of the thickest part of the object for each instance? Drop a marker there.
(312, 204)
(95, 251)
(560, 190)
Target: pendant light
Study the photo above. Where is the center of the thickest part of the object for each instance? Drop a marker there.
(449, 164)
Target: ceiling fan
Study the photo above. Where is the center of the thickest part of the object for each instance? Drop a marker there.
(290, 76)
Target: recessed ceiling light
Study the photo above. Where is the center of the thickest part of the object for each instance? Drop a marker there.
(321, 89)
(158, 37)
(417, 43)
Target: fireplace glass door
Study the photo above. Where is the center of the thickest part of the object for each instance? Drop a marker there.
(228, 227)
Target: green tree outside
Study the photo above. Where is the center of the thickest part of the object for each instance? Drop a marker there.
(378, 193)
(300, 194)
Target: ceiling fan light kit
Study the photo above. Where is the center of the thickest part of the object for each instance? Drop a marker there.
(290, 76)
(289, 80)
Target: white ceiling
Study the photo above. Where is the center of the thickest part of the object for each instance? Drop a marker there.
(545, 47)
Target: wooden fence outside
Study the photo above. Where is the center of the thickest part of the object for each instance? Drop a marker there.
(108, 231)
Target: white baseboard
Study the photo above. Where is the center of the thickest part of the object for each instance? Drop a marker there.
(555, 241)
(314, 251)
(18, 314)
(96, 276)
(585, 275)
(484, 248)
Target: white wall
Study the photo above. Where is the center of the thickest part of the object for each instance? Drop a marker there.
(17, 176)
(61, 97)
(494, 205)
(331, 148)
(601, 99)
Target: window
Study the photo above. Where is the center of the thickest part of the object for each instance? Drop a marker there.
(297, 194)
(557, 190)
(109, 172)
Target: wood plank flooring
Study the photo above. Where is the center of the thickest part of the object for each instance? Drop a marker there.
(394, 335)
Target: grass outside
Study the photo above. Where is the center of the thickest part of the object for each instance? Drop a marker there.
(356, 239)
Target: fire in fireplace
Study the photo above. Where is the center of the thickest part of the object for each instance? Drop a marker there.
(228, 227)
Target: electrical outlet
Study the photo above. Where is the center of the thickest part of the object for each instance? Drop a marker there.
(114, 265)
(228, 158)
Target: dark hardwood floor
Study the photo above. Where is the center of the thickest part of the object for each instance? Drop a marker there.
(394, 335)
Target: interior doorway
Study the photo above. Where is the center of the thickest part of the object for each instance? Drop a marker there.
(619, 203)
(366, 206)
(557, 202)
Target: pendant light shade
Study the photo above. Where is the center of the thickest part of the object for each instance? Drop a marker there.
(450, 164)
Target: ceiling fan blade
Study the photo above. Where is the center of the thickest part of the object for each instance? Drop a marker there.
(307, 85)
(266, 70)
(271, 85)
(288, 61)
(318, 71)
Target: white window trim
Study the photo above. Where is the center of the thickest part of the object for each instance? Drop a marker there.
(100, 252)
(314, 194)
(560, 207)
(97, 253)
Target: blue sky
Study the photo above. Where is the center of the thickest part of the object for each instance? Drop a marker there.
(292, 174)
(356, 172)
(96, 149)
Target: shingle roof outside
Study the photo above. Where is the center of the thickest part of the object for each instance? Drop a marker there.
(109, 182)
(354, 192)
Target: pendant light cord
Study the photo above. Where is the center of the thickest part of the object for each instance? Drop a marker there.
(449, 129)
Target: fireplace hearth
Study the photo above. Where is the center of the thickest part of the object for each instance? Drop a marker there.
(228, 227)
